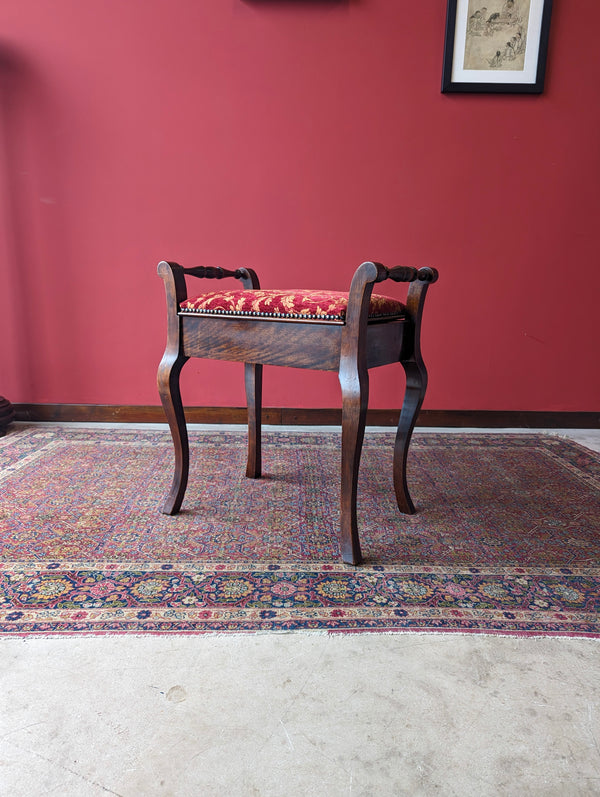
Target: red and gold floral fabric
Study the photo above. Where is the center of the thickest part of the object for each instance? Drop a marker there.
(303, 305)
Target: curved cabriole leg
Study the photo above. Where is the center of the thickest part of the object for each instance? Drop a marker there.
(170, 396)
(355, 396)
(253, 380)
(416, 385)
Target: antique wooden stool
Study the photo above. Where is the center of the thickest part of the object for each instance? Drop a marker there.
(323, 330)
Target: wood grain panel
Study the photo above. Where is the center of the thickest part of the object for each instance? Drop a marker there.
(299, 345)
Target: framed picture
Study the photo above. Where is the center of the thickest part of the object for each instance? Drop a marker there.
(496, 45)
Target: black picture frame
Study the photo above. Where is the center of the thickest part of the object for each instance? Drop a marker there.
(515, 40)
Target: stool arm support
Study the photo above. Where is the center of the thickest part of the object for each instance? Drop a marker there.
(355, 383)
(368, 273)
(247, 276)
(406, 274)
(174, 276)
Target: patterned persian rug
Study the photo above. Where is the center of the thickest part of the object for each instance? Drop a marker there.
(506, 538)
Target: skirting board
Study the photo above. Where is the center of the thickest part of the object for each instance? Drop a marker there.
(495, 419)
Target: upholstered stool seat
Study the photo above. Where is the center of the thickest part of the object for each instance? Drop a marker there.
(323, 330)
(302, 305)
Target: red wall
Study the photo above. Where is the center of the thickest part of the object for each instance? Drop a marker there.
(299, 137)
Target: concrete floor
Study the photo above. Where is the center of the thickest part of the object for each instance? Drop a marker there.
(301, 714)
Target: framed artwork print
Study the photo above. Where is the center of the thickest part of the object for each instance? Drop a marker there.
(496, 45)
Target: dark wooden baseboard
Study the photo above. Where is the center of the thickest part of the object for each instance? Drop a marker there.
(495, 419)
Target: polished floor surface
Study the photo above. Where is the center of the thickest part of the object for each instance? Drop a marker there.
(301, 714)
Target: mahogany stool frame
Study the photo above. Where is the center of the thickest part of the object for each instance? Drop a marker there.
(350, 348)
